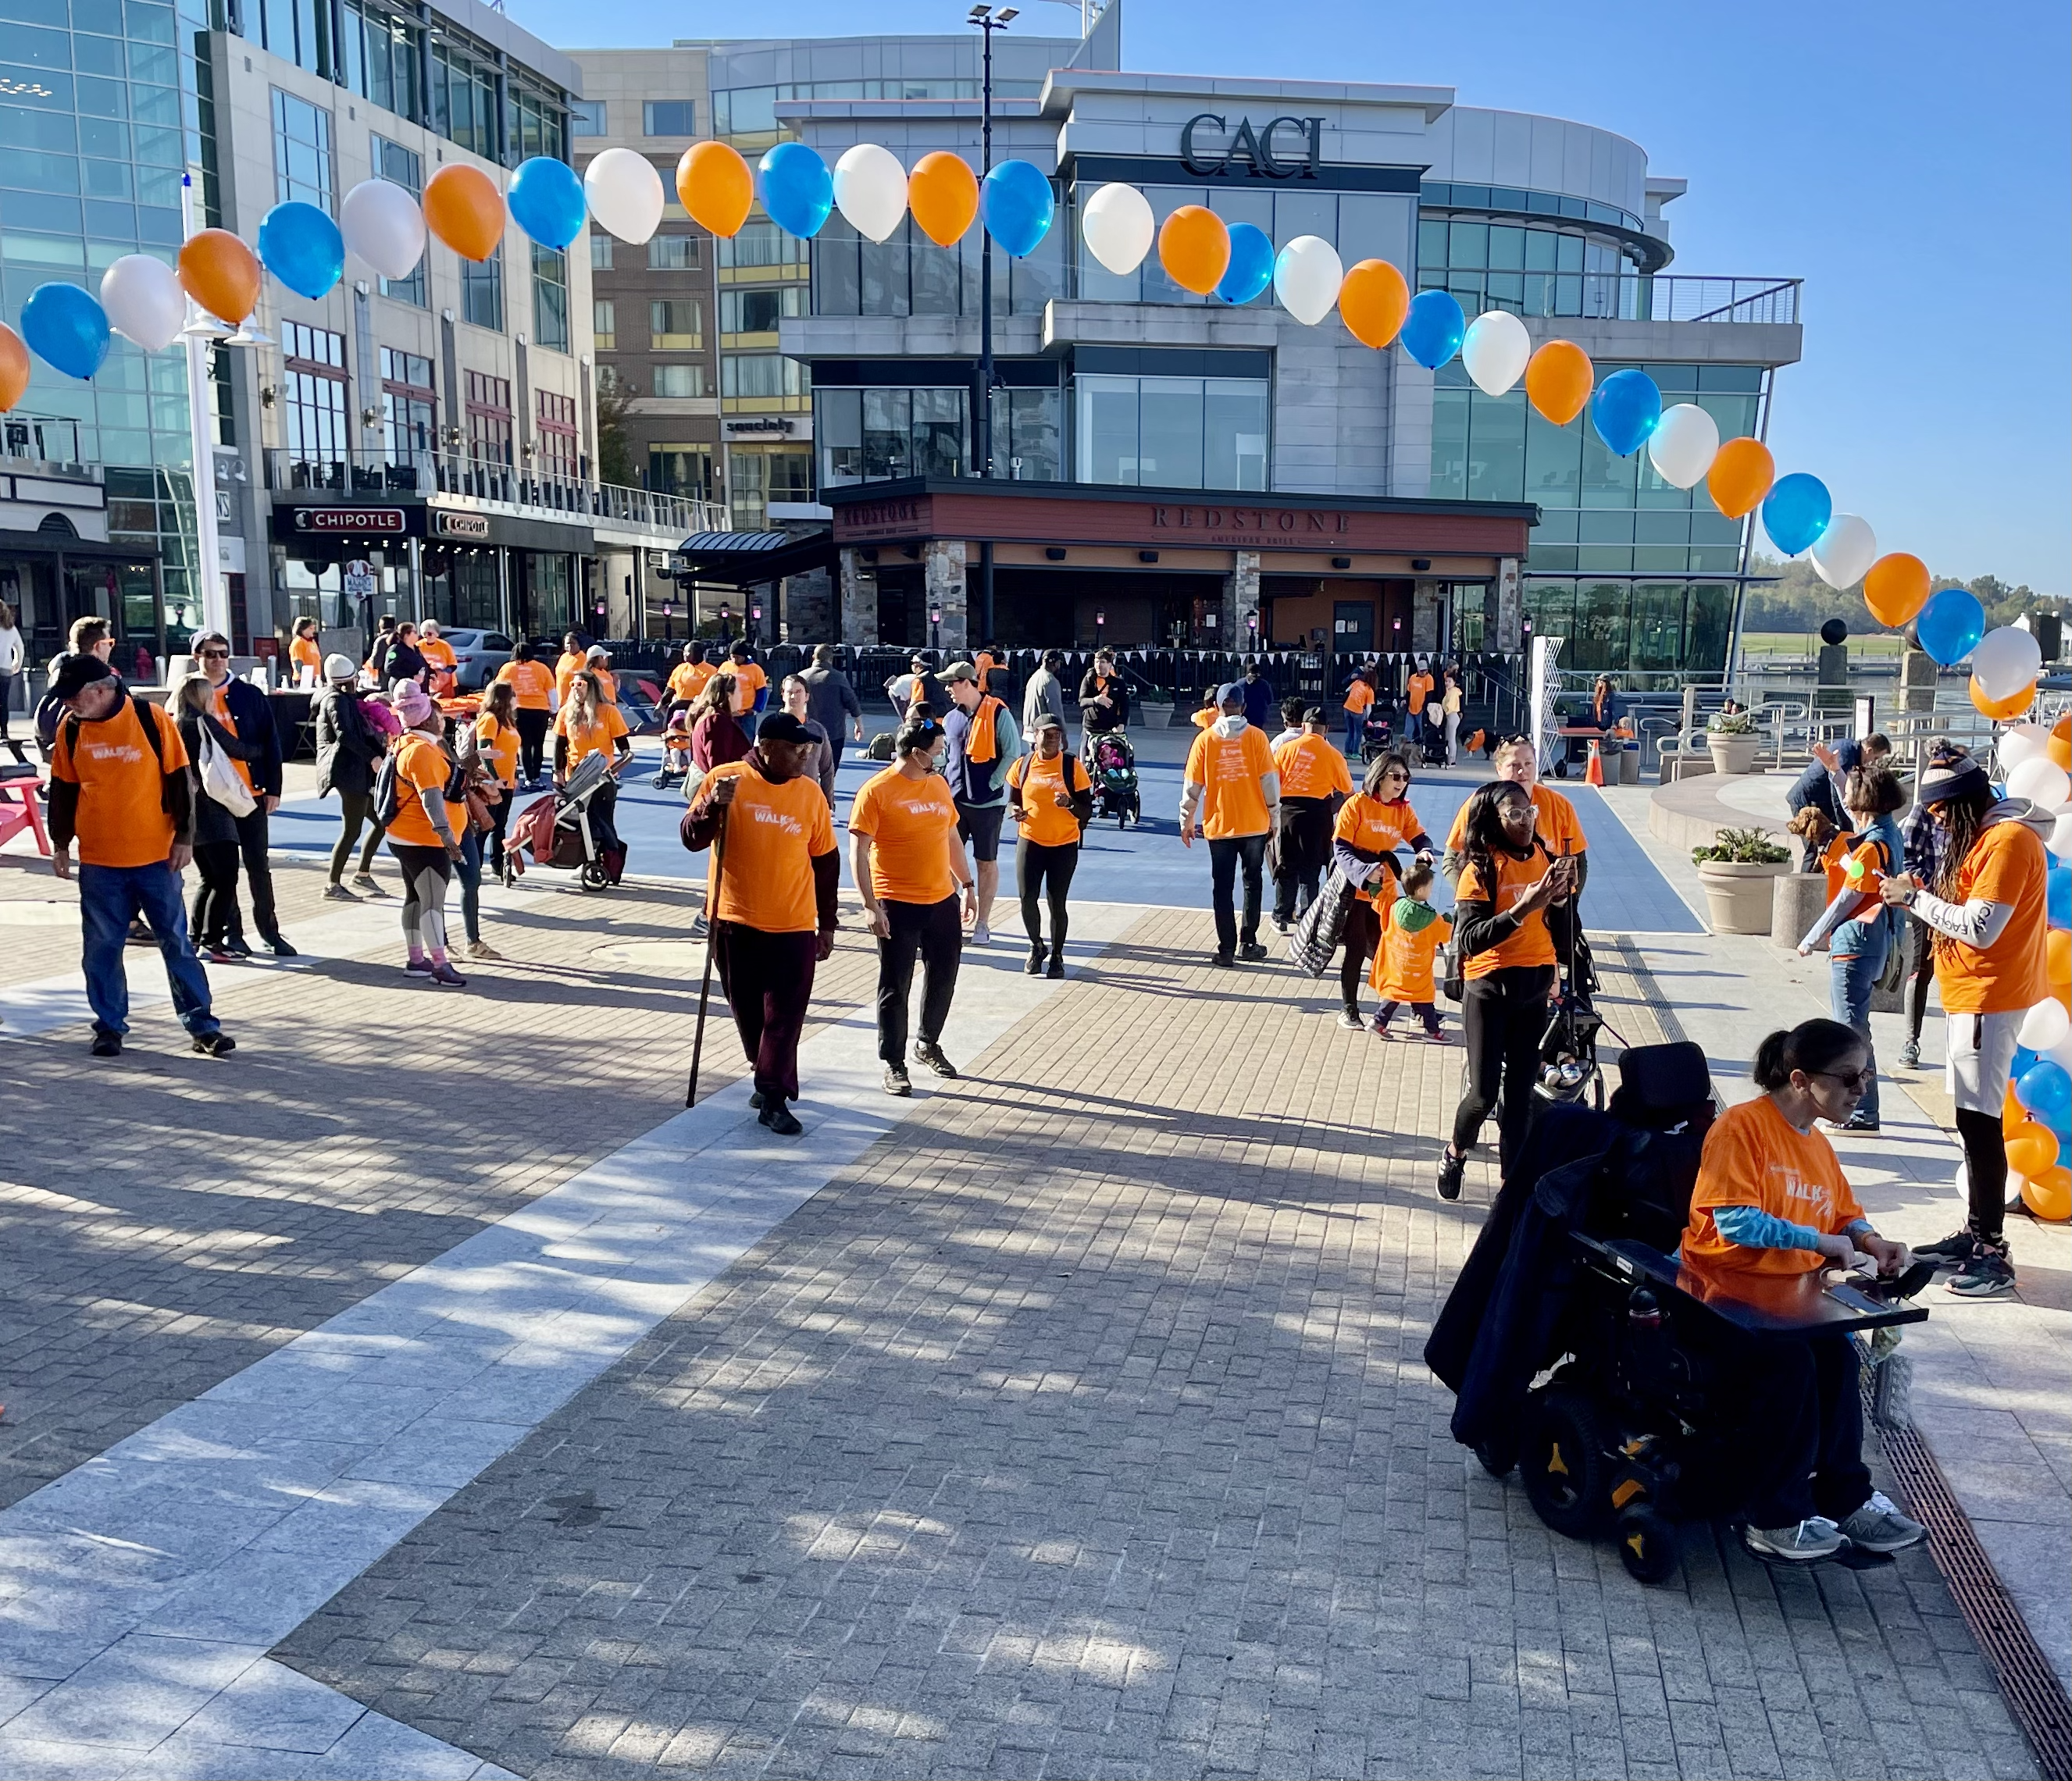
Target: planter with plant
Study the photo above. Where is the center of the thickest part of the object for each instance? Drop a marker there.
(1732, 738)
(1738, 872)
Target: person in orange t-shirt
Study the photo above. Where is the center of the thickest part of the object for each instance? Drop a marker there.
(1372, 825)
(1313, 782)
(1050, 796)
(1559, 829)
(751, 685)
(1403, 962)
(1771, 1206)
(1231, 794)
(687, 678)
(122, 790)
(1416, 691)
(440, 658)
(769, 897)
(305, 652)
(533, 682)
(1501, 931)
(908, 866)
(1988, 912)
(425, 835)
(1359, 701)
(572, 660)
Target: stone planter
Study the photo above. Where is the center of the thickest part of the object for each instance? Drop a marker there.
(1797, 899)
(1732, 753)
(1738, 898)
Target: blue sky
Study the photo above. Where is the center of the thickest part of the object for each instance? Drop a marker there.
(1909, 163)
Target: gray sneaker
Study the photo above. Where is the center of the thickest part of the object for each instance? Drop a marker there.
(1815, 1537)
(1878, 1526)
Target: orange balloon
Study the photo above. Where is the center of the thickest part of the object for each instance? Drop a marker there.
(2049, 1195)
(942, 193)
(1557, 380)
(2060, 745)
(1740, 476)
(716, 187)
(2057, 957)
(1373, 302)
(14, 367)
(1896, 588)
(2013, 1114)
(2002, 711)
(1194, 247)
(220, 272)
(2031, 1148)
(464, 209)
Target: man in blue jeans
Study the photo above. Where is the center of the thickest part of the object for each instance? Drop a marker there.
(120, 786)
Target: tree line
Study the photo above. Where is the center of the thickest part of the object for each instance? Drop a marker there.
(1799, 601)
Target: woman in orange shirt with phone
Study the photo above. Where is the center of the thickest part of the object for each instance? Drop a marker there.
(1500, 928)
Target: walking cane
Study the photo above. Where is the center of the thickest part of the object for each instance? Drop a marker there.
(712, 936)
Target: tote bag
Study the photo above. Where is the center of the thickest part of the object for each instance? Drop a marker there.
(220, 780)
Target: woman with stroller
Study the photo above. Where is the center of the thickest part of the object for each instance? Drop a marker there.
(350, 745)
(214, 916)
(1372, 825)
(1104, 702)
(533, 682)
(425, 835)
(1501, 932)
(587, 724)
(1857, 950)
(1771, 1203)
(1050, 796)
(1988, 913)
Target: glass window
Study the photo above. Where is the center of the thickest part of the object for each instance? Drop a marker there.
(675, 324)
(1496, 450)
(550, 297)
(558, 446)
(883, 286)
(752, 311)
(888, 418)
(669, 117)
(379, 53)
(482, 291)
(1450, 409)
(302, 152)
(1467, 246)
(600, 251)
(1553, 463)
(1173, 432)
(489, 403)
(1105, 429)
(672, 253)
(936, 273)
(762, 244)
(760, 375)
(586, 118)
(1709, 616)
(680, 379)
(1550, 607)
(604, 324)
(838, 430)
(313, 396)
(1033, 435)
(1235, 428)
(939, 432)
(1169, 432)
(686, 469)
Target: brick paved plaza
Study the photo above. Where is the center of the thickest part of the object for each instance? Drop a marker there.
(421, 1392)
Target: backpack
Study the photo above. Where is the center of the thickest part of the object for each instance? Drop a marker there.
(387, 792)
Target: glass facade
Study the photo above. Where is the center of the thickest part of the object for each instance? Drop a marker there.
(752, 111)
(1528, 269)
(302, 152)
(1173, 433)
(910, 275)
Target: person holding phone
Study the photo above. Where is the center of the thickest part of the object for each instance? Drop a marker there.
(1508, 883)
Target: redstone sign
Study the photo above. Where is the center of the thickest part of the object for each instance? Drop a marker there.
(1290, 527)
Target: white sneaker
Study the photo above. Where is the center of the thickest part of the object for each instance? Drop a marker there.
(981, 935)
(1815, 1537)
(1878, 1526)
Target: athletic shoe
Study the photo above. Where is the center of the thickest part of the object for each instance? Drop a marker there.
(219, 955)
(1251, 949)
(444, 977)
(482, 949)
(1436, 1036)
(928, 1052)
(1878, 1526)
(1223, 958)
(338, 893)
(277, 945)
(1814, 1538)
(1988, 1275)
(755, 1098)
(106, 1043)
(896, 1081)
(1349, 1018)
(1451, 1169)
(1909, 1054)
(1858, 1122)
(1057, 966)
(419, 968)
(368, 882)
(236, 944)
(218, 1043)
(981, 935)
(777, 1117)
(1034, 967)
(1281, 922)
(1954, 1251)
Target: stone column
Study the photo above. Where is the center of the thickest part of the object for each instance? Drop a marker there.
(1424, 616)
(1240, 597)
(1510, 606)
(859, 601)
(943, 568)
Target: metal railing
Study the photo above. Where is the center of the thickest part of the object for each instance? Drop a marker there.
(1629, 297)
(40, 439)
(419, 474)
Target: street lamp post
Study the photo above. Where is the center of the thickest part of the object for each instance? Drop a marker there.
(989, 19)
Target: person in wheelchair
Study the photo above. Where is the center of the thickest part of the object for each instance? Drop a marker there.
(1771, 1203)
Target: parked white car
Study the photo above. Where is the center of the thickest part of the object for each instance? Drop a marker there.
(479, 654)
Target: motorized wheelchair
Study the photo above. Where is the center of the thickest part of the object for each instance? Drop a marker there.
(1580, 1351)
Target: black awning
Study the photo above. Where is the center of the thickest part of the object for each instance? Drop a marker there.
(750, 559)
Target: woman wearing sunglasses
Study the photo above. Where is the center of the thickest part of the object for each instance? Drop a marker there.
(1371, 826)
(1771, 1203)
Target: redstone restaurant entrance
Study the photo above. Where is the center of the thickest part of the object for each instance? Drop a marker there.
(1073, 564)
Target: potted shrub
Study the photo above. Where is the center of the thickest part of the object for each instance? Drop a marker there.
(1737, 870)
(1732, 738)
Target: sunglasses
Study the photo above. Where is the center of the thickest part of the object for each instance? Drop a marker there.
(1857, 1079)
(216, 655)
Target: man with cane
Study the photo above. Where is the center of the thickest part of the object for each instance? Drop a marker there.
(769, 898)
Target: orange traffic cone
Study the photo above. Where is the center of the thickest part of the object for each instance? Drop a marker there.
(1594, 773)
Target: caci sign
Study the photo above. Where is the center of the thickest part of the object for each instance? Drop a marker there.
(1289, 148)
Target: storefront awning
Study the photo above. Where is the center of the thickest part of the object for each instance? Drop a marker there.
(750, 559)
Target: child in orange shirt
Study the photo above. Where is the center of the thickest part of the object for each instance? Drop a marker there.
(1403, 962)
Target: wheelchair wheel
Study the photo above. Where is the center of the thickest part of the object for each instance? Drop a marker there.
(1647, 1544)
(1497, 1457)
(1562, 1461)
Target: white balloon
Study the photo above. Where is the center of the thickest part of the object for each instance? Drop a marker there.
(2020, 742)
(624, 195)
(144, 300)
(1307, 273)
(2044, 1025)
(1495, 350)
(2042, 781)
(1843, 553)
(2061, 1053)
(2006, 660)
(870, 190)
(384, 225)
(1118, 228)
(1685, 441)
(2061, 840)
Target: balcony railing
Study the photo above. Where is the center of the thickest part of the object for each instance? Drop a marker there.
(419, 474)
(1629, 297)
(39, 439)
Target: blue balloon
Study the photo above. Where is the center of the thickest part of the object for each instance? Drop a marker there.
(65, 326)
(1016, 204)
(1250, 268)
(1625, 410)
(1433, 330)
(302, 247)
(547, 200)
(1796, 511)
(2023, 1058)
(797, 189)
(2058, 896)
(1950, 625)
(2046, 1090)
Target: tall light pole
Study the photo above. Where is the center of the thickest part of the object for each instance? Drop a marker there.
(988, 20)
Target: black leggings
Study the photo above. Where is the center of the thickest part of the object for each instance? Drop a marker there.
(1036, 867)
(500, 820)
(1924, 975)
(932, 933)
(214, 912)
(355, 810)
(1503, 1017)
(532, 728)
(1363, 938)
(1985, 1173)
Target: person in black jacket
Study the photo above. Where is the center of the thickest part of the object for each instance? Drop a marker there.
(402, 659)
(214, 910)
(349, 751)
(1104, 699)
(249, 716)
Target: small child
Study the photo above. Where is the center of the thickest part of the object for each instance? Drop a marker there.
(676, 747)
(1402, 970)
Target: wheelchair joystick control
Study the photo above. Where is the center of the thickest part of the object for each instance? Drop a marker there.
(1643, 1309)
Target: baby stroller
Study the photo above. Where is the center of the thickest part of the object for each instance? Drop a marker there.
(1431, 741)
(1569, 1071)
(1377, 737)
(1111, 766)
(675, 750)
(558, 831)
